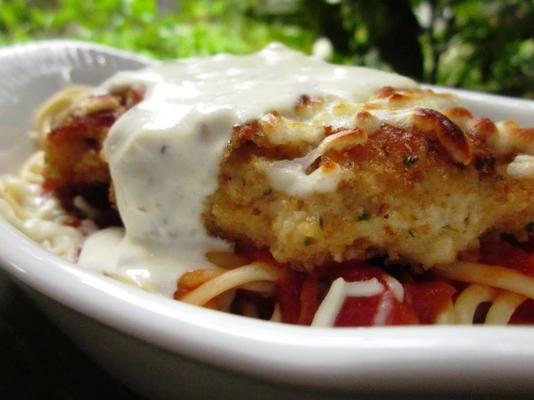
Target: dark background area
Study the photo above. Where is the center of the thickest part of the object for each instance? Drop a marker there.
(480, 45)
(39, 362)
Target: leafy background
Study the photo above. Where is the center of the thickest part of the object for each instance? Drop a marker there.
(482, 45)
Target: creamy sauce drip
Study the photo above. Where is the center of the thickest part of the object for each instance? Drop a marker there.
(164, 153)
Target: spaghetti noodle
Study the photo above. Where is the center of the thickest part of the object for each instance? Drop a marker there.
(38, 215)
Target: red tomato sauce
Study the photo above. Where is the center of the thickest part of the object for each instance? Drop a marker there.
(425, 297)
(358, 311)
(301, 295)
(524, 314)
(500, 252)
(428, 299)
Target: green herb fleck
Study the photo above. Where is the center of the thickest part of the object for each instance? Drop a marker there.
(364, 216)
(410, 159)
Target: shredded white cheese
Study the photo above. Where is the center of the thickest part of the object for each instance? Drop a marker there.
(290, 177)
(331, 305)
(369, 288)
(396, 287)
(384, 309)
(522, 167)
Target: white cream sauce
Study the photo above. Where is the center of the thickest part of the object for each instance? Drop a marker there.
(164, 153)
(101, 251)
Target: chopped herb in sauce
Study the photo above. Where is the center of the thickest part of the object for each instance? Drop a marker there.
(308, 240)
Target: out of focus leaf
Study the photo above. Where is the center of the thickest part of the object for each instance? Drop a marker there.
(484, 45)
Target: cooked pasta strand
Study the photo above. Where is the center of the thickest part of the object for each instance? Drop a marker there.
(503, 308)
(193, 279)
(490, 275)
(265, 288)
(258, 271)
(447, 316)
(469, 300)
(52, 110)
(38, 216)
(32, 169)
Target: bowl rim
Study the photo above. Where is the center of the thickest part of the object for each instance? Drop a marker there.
(333, 358)
(61, 44)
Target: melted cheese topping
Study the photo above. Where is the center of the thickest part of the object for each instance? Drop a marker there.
(358, 121)
(522, 167)
(395, 287)
(291, 177)
(164, 153)
(512, 139)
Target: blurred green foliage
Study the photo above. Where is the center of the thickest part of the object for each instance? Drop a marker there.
(483, 45)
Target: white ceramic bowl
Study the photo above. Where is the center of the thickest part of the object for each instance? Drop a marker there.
(167, 349)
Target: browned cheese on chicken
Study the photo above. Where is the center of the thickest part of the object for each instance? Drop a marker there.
(410, 174)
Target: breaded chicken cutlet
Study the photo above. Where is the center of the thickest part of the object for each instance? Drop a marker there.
(410, 174)
(75, 164)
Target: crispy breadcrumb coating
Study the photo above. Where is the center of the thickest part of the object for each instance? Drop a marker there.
(410, 174)
(75, 163)
(421, 181)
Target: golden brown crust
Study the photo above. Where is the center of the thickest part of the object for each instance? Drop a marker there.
(420, 177)
(419, 184)
(75, 163)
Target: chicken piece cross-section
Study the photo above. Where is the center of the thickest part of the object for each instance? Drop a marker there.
(408, 174)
